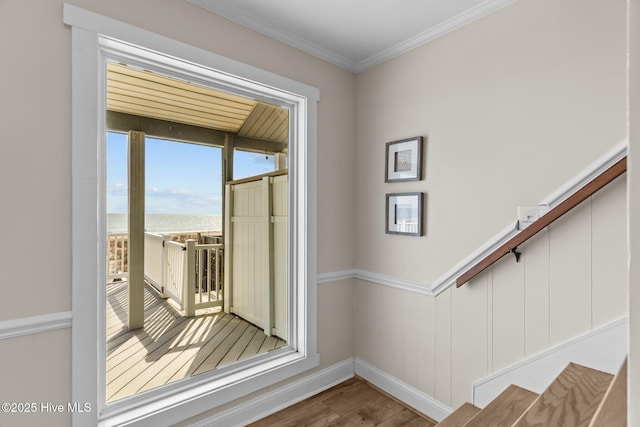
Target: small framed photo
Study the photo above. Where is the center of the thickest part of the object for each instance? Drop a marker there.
(404, 214)
(404, 160)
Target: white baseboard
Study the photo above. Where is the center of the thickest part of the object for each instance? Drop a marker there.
(282, 397)
(35, 324)
(401, 391)
(603, 349)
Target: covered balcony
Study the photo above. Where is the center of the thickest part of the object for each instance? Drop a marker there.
(184, 303)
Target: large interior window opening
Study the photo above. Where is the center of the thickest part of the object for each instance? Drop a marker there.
(102, 46)
(189, 314)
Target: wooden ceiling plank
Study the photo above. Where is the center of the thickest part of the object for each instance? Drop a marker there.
(177, 104)
(274, 129)
(165, 109)
(267, 119)
(144, 93)
(259, 123)
(175, 83)
(282, 136)
(170, 93)
(251, 119)
(174, 97)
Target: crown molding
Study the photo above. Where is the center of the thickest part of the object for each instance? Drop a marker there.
(432, 33)
(276, 33)
(457, 21)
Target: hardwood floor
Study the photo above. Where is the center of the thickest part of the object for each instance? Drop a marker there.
(351, 403)
(171, 346)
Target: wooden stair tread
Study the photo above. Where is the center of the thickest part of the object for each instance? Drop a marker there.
(460, 416)
(613, 409)
(505, 409)
(571, 400)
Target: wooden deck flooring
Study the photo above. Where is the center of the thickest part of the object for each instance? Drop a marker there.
(171, 346)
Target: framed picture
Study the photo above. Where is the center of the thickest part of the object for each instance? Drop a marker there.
(404, 160)
(404, 214)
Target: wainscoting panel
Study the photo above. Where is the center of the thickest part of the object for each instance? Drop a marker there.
(570, 280)
(442, 349)
(536, 294)
(609, 212)
(570, 275)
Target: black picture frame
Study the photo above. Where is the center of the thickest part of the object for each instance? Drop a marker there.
(403, 160)
(404, 213)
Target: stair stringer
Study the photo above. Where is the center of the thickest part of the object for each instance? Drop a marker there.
(603, 349)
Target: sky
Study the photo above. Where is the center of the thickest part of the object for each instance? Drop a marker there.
(180, 178)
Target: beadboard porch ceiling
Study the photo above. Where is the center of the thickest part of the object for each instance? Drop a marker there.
(143, 93)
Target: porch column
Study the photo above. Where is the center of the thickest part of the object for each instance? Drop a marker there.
(227, 154)
(280, 161)
(136, 230)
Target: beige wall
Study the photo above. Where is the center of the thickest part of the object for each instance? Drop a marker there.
(36, 369)
(35, 173)
(540, 83)
(512, 106)
(571, 280)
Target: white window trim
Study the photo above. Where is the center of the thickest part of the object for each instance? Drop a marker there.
(95, 39)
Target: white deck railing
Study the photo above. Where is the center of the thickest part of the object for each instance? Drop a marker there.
(174, 270)
(117, 249)
(189, 273)
(209, 273)
(154, 260)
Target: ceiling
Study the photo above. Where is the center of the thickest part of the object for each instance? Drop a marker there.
(142, 93)
(353, 34)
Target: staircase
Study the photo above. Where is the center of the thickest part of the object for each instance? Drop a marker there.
(578, 397)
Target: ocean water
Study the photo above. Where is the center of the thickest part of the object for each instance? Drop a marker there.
(165, 223)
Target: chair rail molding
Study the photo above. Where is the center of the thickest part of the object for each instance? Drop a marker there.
(448, 279)
(34, 324)
(335, 276)
(381, 279)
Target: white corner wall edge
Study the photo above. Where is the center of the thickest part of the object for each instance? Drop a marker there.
(603, 349)
(35, 324)
(282, 397)
(402, 391)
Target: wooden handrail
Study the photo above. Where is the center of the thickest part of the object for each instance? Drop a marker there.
(541, 223)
